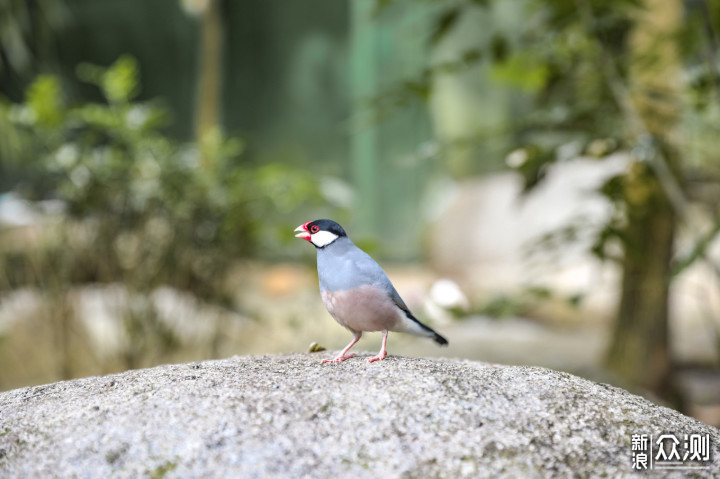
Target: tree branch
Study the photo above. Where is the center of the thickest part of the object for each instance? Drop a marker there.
(647, 150)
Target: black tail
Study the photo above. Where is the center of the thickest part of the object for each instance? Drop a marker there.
(440, 340)
(431, 332)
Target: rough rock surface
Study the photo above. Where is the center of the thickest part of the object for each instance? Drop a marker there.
(289, 416)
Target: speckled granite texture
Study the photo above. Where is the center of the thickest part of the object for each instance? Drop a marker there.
(288, 416)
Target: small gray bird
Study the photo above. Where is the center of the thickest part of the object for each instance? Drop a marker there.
(356, 291)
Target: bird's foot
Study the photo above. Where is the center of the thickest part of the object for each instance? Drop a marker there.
(379, 357)
(339, 358)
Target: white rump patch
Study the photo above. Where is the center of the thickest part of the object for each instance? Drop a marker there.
(323, 238)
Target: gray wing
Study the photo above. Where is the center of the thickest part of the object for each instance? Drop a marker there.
(372, 273)
(369, 272)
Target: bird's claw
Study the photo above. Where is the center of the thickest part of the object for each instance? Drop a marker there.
(379, 357)
(338, 359)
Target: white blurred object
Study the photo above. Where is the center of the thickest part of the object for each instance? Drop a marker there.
(17, 303)
(444, 300)
(516, 158)
(447, 294)
(14, 211)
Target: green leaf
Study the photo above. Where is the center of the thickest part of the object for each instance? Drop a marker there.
(44, 99)
(521, 70)
(120, 83)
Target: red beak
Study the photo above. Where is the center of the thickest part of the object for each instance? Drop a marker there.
(304, 234)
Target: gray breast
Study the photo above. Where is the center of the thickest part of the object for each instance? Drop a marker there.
(343, 266)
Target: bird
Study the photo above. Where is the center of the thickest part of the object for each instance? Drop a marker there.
(356, 291)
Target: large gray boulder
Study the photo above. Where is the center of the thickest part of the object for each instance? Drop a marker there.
(290, 416)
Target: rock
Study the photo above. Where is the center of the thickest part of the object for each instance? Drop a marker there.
(289, 416)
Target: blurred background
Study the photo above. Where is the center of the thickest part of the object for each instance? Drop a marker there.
(541, 180)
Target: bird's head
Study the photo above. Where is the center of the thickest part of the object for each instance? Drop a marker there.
(320, 232)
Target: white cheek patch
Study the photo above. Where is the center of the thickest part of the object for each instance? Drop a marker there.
(323, 238)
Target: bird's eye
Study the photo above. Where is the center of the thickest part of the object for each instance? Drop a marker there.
(314, 229)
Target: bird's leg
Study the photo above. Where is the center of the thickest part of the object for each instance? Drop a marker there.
(383, 352)
(342, 356)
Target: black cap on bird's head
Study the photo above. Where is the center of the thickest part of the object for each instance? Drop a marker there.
(320, 232)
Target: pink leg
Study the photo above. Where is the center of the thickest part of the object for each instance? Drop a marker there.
(342, 356)
(383, 352)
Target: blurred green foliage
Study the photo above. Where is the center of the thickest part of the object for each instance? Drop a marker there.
(525, 302)
(591, 78)
(140, 209)
(564, 61)
(158, 211)
(154, 214)
(568, 64)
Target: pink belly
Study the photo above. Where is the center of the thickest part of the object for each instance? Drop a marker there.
(363, 309)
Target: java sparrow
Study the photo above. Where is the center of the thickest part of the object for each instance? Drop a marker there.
(356, 291)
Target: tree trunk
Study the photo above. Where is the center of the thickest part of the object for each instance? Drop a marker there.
(364, 141)
(639, 351)
(207, 115)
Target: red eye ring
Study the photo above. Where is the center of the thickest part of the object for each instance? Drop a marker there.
(314, 229)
